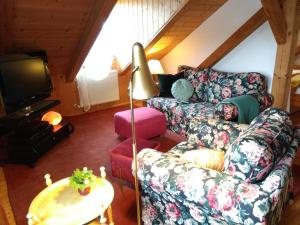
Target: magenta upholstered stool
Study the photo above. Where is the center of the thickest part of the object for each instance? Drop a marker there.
(121, 158)
(149, 123)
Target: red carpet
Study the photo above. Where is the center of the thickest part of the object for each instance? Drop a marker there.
(90, 146)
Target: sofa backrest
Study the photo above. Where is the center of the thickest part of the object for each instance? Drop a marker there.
(224, 85)
(199, 79)
(214, 86)
(257, 150)
(214, 133)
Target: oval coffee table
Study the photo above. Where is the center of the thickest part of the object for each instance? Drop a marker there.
(59, 203)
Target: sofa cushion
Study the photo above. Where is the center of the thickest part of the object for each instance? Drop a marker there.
(214, 133)
(182, 90)
(179, 114)
(199, 79)
(253, 155)
(205, 158)
(165, 83)
(222, 85)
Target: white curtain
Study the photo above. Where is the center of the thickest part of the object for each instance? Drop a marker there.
(82, 86)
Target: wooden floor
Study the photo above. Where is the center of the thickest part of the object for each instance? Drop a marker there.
(291, 214)
(4, 202)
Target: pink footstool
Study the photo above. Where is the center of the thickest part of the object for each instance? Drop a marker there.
(121, 158)
(149, 123)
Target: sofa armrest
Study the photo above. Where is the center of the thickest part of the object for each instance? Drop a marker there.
(279, 183)
(229, 111)
(265, 100)
(172, 182)
(226, 111)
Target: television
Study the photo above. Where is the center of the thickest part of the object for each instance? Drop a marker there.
(24, 80)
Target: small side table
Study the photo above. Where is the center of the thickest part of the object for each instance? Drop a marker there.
(59, 203)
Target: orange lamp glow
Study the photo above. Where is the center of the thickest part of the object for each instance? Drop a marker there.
(52, 118)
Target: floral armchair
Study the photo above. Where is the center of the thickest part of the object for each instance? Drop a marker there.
(176, 191)
(211, 88)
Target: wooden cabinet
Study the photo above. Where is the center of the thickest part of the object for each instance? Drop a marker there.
(295, 102)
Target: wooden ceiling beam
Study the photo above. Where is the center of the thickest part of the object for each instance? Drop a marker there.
(6, 23)
(100, 13)
(235, 39)
(285, 58)
(276, 19)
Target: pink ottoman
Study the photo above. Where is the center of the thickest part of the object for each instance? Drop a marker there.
(149, 123)
(121, 158)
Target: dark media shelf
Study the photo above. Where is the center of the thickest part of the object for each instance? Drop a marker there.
(26, 137)
(28, 144)
(17, 118)
(33, 110)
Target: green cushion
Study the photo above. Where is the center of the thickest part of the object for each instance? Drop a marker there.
(182, 90)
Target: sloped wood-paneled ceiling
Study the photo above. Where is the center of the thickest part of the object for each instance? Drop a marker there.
(62, 27)
(56, 26)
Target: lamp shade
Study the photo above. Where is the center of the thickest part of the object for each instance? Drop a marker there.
(155, 66)
(143, 86)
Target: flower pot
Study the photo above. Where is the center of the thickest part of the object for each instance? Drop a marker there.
(84, 192)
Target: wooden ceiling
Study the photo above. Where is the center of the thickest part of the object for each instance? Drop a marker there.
(62, 28)
(66, 29)
(57, 26)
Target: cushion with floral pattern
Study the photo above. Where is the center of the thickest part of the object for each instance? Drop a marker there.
(214, 133)
(255, 152)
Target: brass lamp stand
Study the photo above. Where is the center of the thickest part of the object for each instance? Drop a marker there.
(141, 87)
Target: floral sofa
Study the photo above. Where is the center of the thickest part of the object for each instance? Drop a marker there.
(252, 189)
(210, 88)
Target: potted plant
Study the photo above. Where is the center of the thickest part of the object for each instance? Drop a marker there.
(82, 180)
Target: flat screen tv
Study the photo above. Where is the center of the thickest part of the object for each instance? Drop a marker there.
(23, 81)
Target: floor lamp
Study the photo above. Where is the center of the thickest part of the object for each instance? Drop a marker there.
(141, 87)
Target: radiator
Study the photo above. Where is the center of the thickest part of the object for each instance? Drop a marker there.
(101, 91)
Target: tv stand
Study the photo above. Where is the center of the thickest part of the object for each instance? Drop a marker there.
(29, 143)
(27, 137)
(33, 110)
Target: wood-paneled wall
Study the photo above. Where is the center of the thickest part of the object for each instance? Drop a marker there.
(146, 17)
(68, 94)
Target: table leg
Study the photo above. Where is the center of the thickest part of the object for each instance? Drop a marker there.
(102, 219)
(110, 217)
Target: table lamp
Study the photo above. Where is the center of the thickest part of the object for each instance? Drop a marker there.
(155, 66)
(141, 87)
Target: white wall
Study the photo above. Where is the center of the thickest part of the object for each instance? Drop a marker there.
(256, 53)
